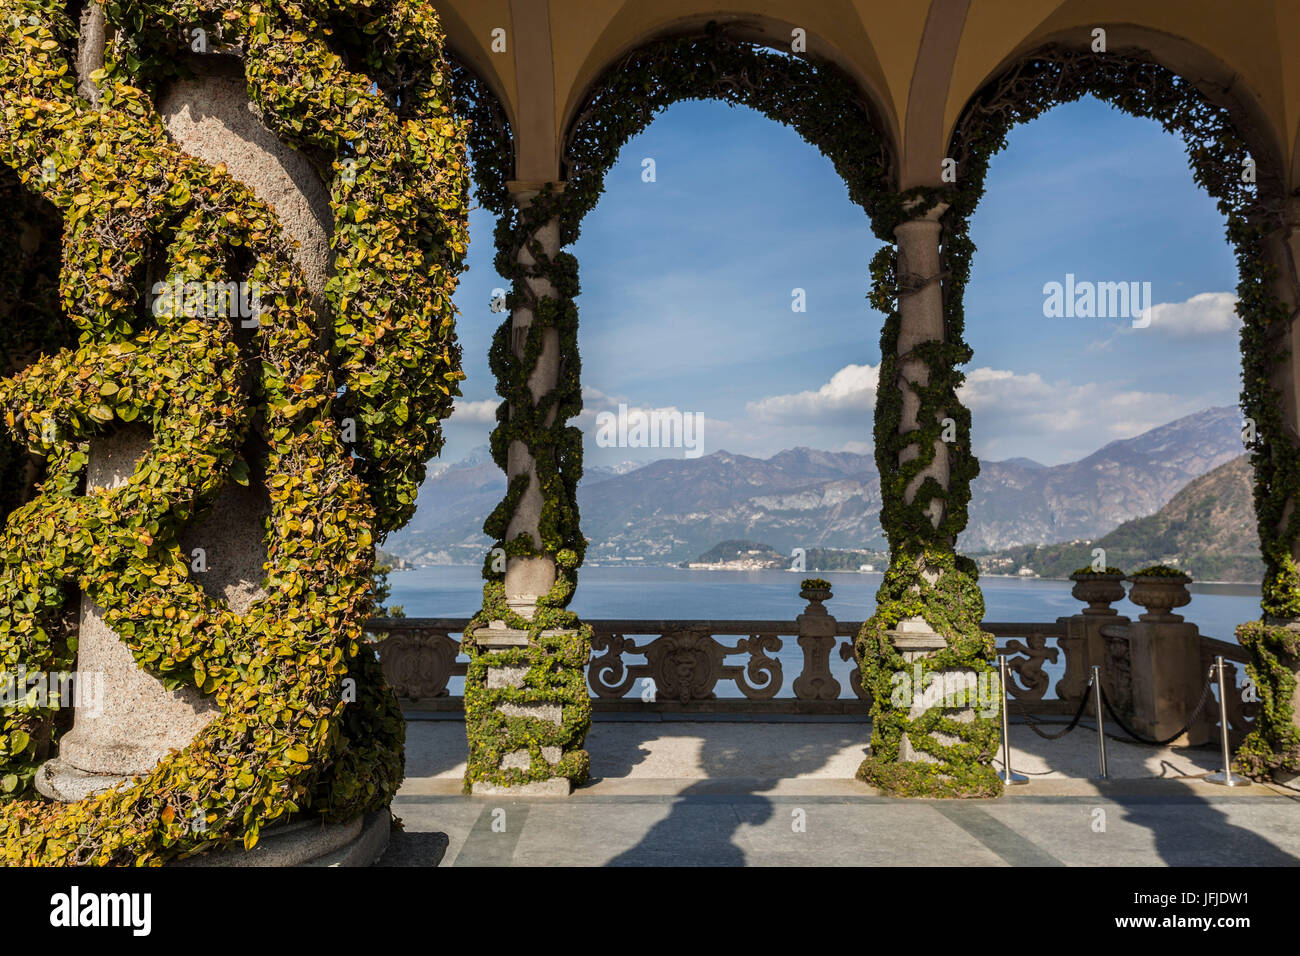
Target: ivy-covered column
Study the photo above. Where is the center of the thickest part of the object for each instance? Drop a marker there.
(527, 709)
(924, 658)
(1269, 288)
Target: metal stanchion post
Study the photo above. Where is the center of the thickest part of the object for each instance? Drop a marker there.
(1225, 777)
(1008, 776)
(1101, 729)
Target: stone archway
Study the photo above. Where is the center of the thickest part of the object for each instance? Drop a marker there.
(1218, 118)
(525, 722)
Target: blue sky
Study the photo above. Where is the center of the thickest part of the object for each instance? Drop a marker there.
(687, 288)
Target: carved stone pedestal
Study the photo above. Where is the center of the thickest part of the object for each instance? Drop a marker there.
(915, 640)
(498, 637)
(1168, 679)
(818, 640)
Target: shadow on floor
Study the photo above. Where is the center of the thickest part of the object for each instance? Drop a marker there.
(701, 827)
(1192, 831)
(415, 849)
(434, 746)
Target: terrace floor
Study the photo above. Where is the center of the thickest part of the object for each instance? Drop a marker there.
(780, 791)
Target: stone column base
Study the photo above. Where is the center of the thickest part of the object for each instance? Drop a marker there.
(1289, 780)
(65, 783)
(915, 641)
(498, 637)
(358, 842)
(554, 787)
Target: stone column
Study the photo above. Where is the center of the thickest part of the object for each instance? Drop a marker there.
(1272, 749)
(920, 309)
(126, 721)
(921, 320)
(137, 721)
(936, 698)
(527, 578)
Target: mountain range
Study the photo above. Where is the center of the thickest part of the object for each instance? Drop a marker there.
(673, 510)
(1208, 529)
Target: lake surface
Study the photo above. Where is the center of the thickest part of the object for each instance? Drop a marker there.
(654, 592)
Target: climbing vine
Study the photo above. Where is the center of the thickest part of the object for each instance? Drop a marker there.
(1253, 206)
(826, 108)
(305, 721)
(951, 752)
(925, 578)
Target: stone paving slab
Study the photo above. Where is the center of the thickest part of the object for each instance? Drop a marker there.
(754, 830)
(827, 749)
(782, 793)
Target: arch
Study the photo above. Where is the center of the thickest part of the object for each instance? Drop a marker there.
(1224, 129)
(809, 95)
(628, 32)
(463, 45)
(538, 369)
(1191, 63)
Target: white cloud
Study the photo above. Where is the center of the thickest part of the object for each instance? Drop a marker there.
(1201, 316)
(476, 413)
(852, 388)
(1016, 414)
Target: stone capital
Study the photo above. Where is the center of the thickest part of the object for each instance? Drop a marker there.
(523, 190)
(930, 217)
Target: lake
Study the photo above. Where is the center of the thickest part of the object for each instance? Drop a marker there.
(657, 592)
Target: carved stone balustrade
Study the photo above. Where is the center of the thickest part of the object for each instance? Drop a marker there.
(684, 659)
(718, 665)
(418, 655)
(728, 666)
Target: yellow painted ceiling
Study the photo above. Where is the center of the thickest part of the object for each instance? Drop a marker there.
(1257, 42)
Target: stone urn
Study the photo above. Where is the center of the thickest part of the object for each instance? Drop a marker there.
(815, 592)
(1098, 591)
(1160, 594)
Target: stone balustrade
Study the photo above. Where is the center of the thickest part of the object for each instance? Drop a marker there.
(788, 666)
(678, 664)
